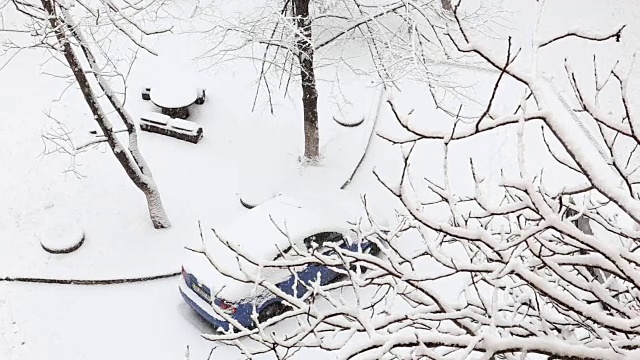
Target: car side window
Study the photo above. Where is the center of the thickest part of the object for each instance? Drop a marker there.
(314, 242)
(322, 239)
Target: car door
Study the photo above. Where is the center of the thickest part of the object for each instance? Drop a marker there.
(315, 243)
(320, 243)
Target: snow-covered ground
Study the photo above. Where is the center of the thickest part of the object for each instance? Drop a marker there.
(243, 152)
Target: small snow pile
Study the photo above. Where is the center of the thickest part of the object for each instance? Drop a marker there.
(63, 236)
(252, 196)
(350, 121)
(350, 115)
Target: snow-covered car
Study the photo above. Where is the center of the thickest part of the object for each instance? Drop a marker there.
(285, 227)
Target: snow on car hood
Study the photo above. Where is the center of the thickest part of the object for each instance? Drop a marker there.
(266, 230)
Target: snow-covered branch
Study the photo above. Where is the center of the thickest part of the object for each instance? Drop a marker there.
(546, 247)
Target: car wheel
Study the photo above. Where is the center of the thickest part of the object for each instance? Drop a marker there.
(272, 310)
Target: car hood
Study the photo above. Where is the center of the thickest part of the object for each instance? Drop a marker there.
(222, 284)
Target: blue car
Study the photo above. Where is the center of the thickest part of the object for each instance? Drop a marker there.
(220, 285)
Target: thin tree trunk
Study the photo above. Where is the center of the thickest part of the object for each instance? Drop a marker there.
(582, 223)
(76, 32)
(133, 163)
(308, 78)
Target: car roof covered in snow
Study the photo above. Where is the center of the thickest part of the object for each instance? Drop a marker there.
(291, 218)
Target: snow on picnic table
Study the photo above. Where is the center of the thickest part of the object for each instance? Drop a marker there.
(173, 92)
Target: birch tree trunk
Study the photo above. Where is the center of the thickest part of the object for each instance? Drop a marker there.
(304, 47)
(130, 159)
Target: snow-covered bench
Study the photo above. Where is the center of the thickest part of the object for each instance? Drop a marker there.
(185, 125)
(176, 128)
(156, 118)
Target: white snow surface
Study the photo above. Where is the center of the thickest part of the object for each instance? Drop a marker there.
(156, 117)
(173, 95)
(241, 149)
(61, 235)
(12, 344)
(269, 168)
(173, 83)
(184, 124)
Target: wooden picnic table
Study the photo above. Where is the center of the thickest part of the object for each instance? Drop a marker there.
(174, 97)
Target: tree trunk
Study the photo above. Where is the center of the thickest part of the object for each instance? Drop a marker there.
(308, 79)
(133, 163)
(582, 223)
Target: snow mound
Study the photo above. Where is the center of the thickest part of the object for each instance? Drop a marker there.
(251, 197)
(62, 237)
(352, 114)
(349, 121)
